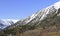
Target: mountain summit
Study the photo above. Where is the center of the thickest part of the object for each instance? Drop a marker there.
(57, 5)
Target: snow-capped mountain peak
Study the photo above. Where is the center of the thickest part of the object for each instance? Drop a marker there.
(57, 5)
(6, 22)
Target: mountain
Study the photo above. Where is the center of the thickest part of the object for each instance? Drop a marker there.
(6, 22)
(41, 15)
(46, 20)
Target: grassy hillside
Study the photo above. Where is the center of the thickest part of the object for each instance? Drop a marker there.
(39, 32)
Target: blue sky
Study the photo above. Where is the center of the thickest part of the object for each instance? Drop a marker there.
(18, 9)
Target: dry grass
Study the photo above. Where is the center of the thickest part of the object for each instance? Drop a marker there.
(39, 32)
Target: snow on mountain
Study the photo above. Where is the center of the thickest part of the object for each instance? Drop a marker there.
(6, 22)
(45, 11)
(57, 5)
(42, 13)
